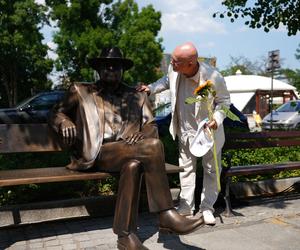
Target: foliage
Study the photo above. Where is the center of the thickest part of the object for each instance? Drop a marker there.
(23, 63)
(264, 14)
(87, 26)
(293, 77)
(258, 156)
(297, 55)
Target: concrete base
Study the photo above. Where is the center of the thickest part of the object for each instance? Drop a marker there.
(266, 187)
(55, 210)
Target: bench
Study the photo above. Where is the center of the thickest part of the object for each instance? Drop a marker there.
(33, 138)
(266, 139)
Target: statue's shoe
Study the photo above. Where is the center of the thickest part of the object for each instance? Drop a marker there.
(171, 221)
(130, 242)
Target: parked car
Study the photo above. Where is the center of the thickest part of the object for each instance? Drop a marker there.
(286, 116)
(34, 109)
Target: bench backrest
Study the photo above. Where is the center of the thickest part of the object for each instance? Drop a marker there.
(262, 139)
(15, 138)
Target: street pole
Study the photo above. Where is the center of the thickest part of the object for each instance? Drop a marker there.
(273, 64)
(271, 100)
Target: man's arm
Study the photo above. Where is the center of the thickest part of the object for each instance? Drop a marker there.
(222, 98)
(155, 87)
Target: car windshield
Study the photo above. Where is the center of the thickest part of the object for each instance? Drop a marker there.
(41, 101)
(289, 107)
(22, 103)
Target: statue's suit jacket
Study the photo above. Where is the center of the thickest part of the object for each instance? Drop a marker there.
(171, 81)
(85, 108)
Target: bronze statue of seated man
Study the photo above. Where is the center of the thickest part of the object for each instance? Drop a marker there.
(110, 127)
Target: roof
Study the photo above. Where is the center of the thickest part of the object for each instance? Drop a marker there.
(251, 83)
(243, 87)
(240, 100)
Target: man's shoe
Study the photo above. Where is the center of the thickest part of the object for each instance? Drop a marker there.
(171, 221)
(130, 242)
(209, 218)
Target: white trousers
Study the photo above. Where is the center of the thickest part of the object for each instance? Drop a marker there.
(209, 192)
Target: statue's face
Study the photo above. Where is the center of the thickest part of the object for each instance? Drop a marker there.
(111, 72)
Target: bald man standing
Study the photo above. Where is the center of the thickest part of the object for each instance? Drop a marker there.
(184, 75)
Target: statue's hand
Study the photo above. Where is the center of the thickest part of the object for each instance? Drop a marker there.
(134, 138)
(68, 132)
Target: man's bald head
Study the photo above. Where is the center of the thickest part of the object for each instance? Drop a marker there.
(185, 59)
(186, 51)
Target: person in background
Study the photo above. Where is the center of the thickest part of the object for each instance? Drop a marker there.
(184, 75)
(257, 119)
(110, 128)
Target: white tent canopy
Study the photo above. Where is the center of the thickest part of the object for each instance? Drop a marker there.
(240, 100)
(243, 87)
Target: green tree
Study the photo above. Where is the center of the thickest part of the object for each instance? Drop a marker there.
(23, 62)
(297, 55)
(264, 14)
(293, 77)
(245, 66)
(135, 33)
(87, 26)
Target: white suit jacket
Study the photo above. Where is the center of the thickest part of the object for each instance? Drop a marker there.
(171, 81)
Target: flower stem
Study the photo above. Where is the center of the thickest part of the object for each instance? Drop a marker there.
(216, 162)
(210, 115)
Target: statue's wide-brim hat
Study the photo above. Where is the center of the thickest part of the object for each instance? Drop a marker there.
(110, 55)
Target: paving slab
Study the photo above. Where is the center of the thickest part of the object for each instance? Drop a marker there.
(261, 224)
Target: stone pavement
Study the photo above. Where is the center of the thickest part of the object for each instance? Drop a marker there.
(261, 224)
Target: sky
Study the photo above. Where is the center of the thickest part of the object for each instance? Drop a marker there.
(191, 20)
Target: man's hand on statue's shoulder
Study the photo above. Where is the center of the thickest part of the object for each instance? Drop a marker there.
(134, 138)
(141, 87)
(68, 131)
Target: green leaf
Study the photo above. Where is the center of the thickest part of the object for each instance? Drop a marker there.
(191, 100)
(229, 114)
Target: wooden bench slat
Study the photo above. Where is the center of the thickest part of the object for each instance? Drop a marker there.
(261, 168)
(173, 169)
(260, 144)
(43, 175)
(264, 135)
(57, 174)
